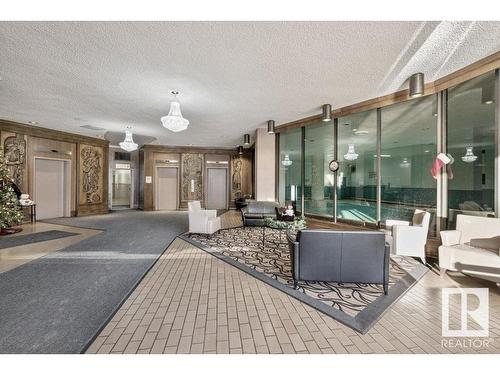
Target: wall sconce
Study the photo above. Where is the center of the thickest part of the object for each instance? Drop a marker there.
(270, 127)
(246, 139)
(417, 85)
(327, 113)
(240, 150)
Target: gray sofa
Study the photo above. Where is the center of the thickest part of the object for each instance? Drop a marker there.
(339, 256)
(256, 211)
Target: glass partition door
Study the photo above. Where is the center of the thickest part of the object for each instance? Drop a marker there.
(471, 143)
(290, 168)
(357, 175)
(409, 132)
(319, 181)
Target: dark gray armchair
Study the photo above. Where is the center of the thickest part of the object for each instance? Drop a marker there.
(256, 211)
(339, 256)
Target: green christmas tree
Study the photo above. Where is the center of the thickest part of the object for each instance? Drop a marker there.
(10, 211)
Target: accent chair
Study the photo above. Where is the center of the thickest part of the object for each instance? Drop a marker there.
(405, 238)
(473, 248)
(202, 221)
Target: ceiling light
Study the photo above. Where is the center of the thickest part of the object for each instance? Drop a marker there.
(32, 122)
(327, 112)
(174, 120)
(405, 163)
(246, 139)
(416, 85)
(469, 156)
(361, 132)
(286, 161)
(351, 154)
(128, 143)
(240, 150)
(270, 127)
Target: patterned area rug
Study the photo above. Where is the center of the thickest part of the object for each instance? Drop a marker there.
(263, 253)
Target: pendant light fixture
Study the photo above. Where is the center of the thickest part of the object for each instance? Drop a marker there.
(326, 112)
(469, 156)
(417, 85)
(270, 127)
(240, 150)
(286, 161)
(246, 139)
(351, 154)
(174, 120)
(128, 143)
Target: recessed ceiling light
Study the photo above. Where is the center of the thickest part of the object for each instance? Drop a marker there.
(361, 132)
(32, 122)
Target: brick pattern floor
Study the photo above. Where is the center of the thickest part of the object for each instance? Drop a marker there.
(191, 302)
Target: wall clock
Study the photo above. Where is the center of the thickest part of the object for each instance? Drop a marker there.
(333, 166)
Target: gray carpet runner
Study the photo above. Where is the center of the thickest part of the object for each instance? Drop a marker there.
(29, 238)
(58, 303)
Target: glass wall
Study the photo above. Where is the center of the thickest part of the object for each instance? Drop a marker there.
(357, 175)
(471, 143)
(319, 181)
(409, 132)
(408, 151)
(290, 157)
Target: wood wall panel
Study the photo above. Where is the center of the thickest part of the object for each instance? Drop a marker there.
(192, 177)
(192, 164)
(93, 179)
(52, 144)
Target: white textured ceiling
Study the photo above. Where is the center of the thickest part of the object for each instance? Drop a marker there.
(232, 76)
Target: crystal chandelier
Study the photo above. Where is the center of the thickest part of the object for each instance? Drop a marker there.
(174, 120)
(128, 143)
(469, 156)
(286, 161)
(351, 154)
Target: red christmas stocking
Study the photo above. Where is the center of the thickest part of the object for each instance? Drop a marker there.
(439, 162)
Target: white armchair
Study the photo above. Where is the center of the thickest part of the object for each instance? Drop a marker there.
(202, 221)
(406, 239)
(458, 254)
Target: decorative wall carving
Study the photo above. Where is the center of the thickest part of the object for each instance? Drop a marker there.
(91, 174)
(236, 178)
(192, 177)
(15, 158)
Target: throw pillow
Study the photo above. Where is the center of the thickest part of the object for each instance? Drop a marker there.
(418, 219)
(492, 243)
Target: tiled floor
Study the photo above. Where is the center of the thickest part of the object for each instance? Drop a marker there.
(13, 257)
(191, 302)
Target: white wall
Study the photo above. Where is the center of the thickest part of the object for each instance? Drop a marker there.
(264, 166)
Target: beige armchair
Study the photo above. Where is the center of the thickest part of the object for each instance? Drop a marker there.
(202, 221)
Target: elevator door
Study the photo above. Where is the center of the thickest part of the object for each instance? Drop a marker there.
(50, 188)
(216, 188)
(122, 183)
(166, 189)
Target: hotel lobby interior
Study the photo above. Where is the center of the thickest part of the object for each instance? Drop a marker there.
(250, 187)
